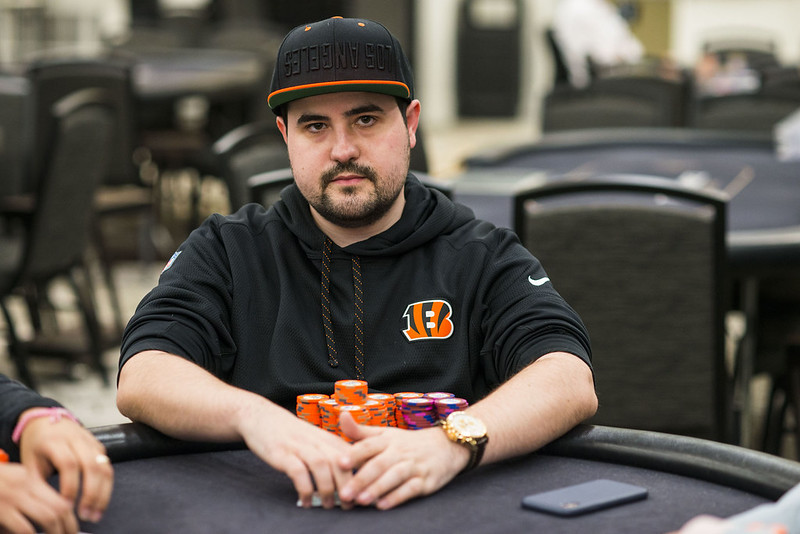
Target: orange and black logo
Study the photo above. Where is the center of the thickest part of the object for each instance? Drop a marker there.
(428, 319)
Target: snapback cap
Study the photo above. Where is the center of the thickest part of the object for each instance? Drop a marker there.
(337, 55)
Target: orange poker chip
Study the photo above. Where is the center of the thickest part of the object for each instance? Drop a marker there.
(308, 407)
(377, 413)
(352, 392)
(329, 415)
(360, 415)
(387, 401)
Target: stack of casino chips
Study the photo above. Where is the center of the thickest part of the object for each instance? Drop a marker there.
(407, 409)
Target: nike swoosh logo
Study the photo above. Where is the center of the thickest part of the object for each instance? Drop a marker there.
(539, 281)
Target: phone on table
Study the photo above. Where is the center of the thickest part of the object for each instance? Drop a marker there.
(585, 497)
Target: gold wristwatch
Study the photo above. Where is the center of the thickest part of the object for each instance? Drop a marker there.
(462, 428)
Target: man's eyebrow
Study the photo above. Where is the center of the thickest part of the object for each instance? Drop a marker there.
(367, 108)
(308, 117)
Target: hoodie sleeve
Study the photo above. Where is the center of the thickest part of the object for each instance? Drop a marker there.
(188, 312)
(15, 398)
(524, 316)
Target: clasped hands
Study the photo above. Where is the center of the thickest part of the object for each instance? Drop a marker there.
(382, 467)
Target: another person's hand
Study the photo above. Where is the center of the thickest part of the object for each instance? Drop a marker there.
(703, 524)
(307, 454)
(395, 465)
(26, 499)
(64, 446)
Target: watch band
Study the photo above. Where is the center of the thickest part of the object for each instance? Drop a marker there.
(476, 448)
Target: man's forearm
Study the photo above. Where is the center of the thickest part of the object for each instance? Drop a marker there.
(183, 400)
(537, 405)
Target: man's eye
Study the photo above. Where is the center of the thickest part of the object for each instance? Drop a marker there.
(365, 120)
(315, 126)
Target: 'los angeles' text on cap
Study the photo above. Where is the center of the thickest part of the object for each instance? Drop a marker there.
(336, 55)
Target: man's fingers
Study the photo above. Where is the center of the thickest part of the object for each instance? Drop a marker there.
(411, 489)
(298, 473)
(98, 482)
(352, 430)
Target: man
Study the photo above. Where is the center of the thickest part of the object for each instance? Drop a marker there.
(358, 272)
(46, 438)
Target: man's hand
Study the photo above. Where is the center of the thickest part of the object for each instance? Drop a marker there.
(308, 455)
(80, 460)
(26, 499)
(394, 465)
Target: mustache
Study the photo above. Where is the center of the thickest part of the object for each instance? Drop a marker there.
(349, 167)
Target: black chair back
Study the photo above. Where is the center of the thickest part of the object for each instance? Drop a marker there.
(641, 259)
(77, 160)
(52, 79)
(14, 134)
(246, 151)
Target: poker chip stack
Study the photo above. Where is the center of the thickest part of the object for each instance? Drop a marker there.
(419, 412)
(399, 400)
(387, 412)
(350, 392)
(448, 405)
(407, 409)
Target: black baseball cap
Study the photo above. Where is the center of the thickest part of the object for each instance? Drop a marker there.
(337, 55)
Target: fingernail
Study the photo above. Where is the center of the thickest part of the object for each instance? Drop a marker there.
(87, 514)
(365, 498)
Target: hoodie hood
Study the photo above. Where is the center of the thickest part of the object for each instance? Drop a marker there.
(427, 214)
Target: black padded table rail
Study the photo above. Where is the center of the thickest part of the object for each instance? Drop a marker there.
(167, 485)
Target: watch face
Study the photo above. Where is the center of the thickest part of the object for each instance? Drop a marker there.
(466, 425)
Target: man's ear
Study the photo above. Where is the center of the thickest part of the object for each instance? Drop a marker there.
(412, 119)
(282, 127)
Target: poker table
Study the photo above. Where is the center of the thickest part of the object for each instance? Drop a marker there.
(167, 485)
(168, 73)
(763, 214)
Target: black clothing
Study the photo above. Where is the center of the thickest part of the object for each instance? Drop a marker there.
(15, 398)
(449, 303)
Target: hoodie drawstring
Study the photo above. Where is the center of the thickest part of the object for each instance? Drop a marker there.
(326, 303)
(358, 318)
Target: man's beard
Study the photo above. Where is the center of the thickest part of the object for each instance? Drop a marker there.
(353, 212)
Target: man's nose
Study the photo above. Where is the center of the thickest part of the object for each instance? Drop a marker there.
(345, 148)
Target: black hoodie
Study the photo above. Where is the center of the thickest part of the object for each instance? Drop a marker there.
(449, 303)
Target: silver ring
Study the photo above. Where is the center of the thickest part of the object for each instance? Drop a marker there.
(102, 459)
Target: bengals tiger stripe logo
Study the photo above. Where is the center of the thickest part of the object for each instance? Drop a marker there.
(428, 319)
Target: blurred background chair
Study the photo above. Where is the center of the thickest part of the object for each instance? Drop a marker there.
(246, 151)
(641, 259)
(13, 141)
(616, 102)
(122, 202)
(75, 160)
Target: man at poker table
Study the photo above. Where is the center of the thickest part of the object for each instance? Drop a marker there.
(361, 272)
